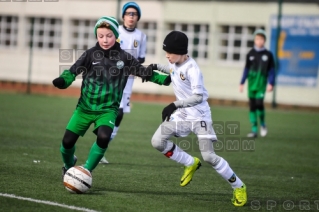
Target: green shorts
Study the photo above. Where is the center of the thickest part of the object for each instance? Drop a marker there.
(256, 94)
(81, 121)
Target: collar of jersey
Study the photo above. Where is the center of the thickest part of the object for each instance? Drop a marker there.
(128, 29)
(259, 49)
(107, 52)
(179, 65)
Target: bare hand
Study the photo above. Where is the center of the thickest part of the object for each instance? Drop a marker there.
(241, 88)
(269, 88)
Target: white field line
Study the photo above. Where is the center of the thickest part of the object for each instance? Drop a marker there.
(47, 202)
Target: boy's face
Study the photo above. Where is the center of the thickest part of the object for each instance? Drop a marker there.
(105, 37)
(130, 18)
(173, 58)
(259, 41)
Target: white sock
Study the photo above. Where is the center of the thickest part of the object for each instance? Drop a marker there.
(114, 132)
(173, 152)
(228, 174)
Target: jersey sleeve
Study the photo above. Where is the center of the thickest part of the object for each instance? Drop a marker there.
(195, 77)
(142, 52)
(160, 79)
(247, 63)
(81, 65)
(271, 70)
(246, 70)
(136, 68)
(163, 68)
(77, 68)
(271, 61)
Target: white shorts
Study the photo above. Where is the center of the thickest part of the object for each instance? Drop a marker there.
(181, 127)
(125, 103)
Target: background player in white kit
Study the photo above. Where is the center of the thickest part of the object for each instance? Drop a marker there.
(192, 115)
(133, 41)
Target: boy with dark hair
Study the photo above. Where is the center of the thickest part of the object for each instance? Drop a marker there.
(260, 71)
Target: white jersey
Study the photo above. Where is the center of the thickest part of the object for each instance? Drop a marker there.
(187, 80)
(135, 44)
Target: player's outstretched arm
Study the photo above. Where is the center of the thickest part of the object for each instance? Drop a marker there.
(163, 68)
(148, 74)
(68, 76)
(160, 79)
(191, 101)
(64, 80)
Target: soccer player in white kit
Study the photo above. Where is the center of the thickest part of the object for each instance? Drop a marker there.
(133, 41)
(192, 115)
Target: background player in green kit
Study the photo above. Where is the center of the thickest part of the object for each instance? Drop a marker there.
(260, 71)
(105, 69)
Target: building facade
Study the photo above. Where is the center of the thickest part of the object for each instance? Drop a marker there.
(220, 35)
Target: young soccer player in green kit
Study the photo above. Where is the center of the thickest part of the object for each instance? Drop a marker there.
(260, 72)
(105, 69)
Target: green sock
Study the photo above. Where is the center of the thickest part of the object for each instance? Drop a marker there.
(95, 155)
(67, 156)
(261, 115)
(253, 121)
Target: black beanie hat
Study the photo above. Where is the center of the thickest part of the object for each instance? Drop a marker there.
(176, 43)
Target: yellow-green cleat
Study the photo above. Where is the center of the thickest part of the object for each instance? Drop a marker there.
(239, 196)
(189, 172)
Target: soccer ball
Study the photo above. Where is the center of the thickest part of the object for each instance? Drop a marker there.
(77, 180)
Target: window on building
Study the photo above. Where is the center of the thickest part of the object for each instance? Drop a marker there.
(8, 31)
(82, 34)
(198, 35)
(46, 33)
(235, 42)
(149, 28)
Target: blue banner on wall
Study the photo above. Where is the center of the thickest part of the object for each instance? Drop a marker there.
(298, 52)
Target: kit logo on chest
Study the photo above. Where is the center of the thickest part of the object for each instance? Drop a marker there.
(171, 71)
(135, 43)
(264, 57)
(120, 64)
(182, 76)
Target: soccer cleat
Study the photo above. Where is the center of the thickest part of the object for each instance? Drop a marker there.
(239, 196)
(189, 172)
(104, 161)
(263, 131)
(252, 135)
(64, 169)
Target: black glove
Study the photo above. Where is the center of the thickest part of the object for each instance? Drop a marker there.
(148, 72)
(154, 66)
(59, 82)
(167, 111)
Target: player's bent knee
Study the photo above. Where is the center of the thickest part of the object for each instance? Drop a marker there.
(69, 139)
(259, 104)
(103, 136)
(158, 143)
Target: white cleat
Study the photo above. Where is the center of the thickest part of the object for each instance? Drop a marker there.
(104, 161)
(263, 131)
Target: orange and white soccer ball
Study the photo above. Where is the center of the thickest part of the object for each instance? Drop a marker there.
(77, 180)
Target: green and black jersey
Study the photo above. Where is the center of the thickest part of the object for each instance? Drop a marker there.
(259, 70)
(104, 74)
